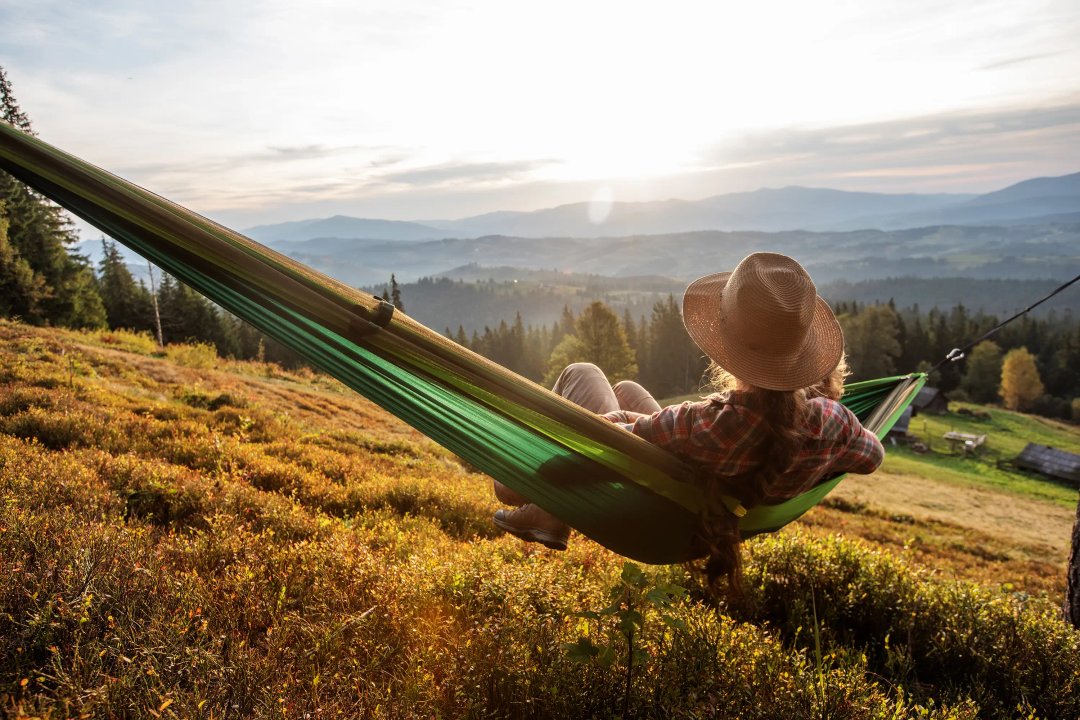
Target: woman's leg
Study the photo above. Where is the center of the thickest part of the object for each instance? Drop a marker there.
(583, 384)
(586, 385)
(635, 398)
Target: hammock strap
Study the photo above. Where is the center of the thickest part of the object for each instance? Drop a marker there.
(959, 353)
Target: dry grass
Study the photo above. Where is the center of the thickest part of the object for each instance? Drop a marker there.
(237, 540)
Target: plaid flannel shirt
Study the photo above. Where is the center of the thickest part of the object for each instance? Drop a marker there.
(721, 436)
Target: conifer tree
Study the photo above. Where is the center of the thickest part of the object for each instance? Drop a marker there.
(127, 304)
(871, 341)
(598, 338)
(21, 289)
(395, 294)
(672, 364)
(39, 233)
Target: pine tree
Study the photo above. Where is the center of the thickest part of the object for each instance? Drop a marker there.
(127, 304)
(598, 338)
(672, 363)
(21, 289)
(871, 340)
(39, 234)
(395, 294)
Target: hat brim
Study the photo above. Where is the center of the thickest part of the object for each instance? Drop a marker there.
(808, 364)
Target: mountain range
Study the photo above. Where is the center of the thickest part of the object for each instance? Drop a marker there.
(1035, 201)
(1028, 231)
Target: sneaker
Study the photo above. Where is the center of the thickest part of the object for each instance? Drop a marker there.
(532, 524)
(507, 496)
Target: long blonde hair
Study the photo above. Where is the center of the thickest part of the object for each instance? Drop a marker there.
(784, 431)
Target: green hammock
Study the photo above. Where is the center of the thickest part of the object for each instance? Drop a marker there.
(612, 486)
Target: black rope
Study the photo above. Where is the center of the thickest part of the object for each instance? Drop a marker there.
(958, 353)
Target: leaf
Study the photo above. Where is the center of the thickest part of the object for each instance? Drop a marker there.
(606, 658)
(582, 651)
(639, 657)
(628, 619)
(674, 622)
(588, 614)
(633, 576)
(665, 593)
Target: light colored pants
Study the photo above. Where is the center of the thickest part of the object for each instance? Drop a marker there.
(586, 385)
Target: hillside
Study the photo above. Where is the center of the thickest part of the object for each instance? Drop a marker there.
(183, 536)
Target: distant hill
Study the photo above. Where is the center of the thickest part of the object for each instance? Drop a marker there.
(1035, 201)
(1018, 252)
(1040, 200)
(770, 210)
(341, 226)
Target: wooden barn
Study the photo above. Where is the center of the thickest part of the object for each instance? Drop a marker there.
(1058, 464)
(930, 400)
(903, 424)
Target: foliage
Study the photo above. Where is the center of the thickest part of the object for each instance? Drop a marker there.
(194, 355)
(128, 305)
(21, 289)
(991, 646)
(871, 338)
(671, 362)
(1021, 385)
(982, 377)
(633, 598)
(598, 338)
(195, 542)
(55, 285)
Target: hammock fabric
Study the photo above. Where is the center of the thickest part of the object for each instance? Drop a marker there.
(610, 485)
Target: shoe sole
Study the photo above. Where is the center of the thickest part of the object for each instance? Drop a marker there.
(533, 534)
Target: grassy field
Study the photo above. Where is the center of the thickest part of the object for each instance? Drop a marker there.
(185, 537)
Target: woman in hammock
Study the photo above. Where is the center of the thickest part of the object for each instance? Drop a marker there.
(772, 429)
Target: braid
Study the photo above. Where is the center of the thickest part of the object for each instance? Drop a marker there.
(783, 416)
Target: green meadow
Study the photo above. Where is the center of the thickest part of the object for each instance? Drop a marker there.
(182, 536)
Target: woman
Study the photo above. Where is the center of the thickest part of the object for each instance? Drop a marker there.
(774, 427)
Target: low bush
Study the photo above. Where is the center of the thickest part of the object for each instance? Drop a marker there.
(170, 550)
(943, 640)
(198, 355)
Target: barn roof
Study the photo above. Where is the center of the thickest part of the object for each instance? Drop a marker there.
(1050, 461)
(926, 396)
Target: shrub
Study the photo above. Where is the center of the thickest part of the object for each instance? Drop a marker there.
(950, 639)
(142, 343)
(201, 356)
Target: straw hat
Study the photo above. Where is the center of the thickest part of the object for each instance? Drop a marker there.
(764, 323)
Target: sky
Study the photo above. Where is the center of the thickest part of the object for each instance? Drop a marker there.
(259, 112)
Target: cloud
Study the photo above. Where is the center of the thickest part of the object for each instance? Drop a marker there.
(1009, 62)
(990, 146)
(463, 173)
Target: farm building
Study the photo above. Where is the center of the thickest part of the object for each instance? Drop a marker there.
(1050, 461)
(900, 429)
(930, 400)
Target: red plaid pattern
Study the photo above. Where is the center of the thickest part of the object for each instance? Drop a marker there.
(722, 436)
